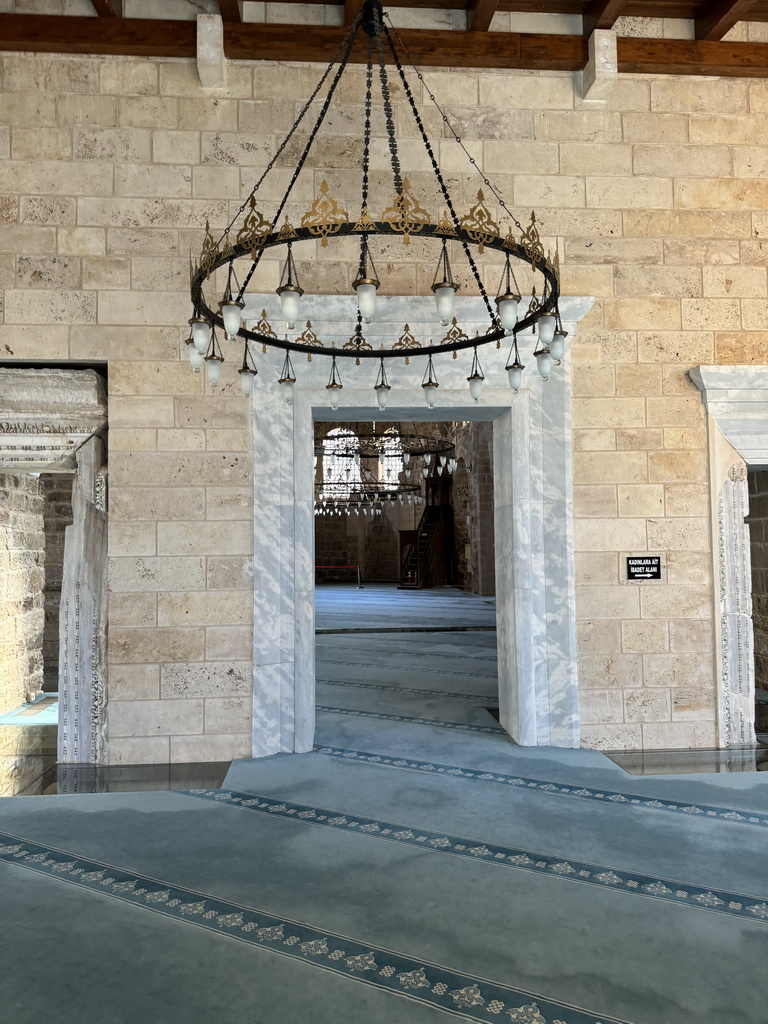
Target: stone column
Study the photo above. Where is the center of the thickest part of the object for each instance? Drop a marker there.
(82, 621)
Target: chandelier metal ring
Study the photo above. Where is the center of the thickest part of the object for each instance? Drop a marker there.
(541, 263)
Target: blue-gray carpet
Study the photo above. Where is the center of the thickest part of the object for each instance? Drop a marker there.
(416, 866)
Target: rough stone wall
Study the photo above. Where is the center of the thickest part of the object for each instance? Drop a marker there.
(758, 543)
(56, 491)
(473, 507)
(108, 170)
(22, 575)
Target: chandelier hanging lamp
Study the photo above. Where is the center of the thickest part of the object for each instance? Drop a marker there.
(252, 233)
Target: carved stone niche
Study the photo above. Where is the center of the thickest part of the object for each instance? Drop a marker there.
(46, 415)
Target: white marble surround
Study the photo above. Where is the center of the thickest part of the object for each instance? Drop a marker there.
(533, 512)
(736, 398)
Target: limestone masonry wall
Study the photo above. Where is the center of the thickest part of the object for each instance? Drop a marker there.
(22, 574)
(657, 199)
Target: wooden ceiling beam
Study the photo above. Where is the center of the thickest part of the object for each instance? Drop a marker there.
(601, 14)
(480, 14)
(692, 57)
(720, 17)
(133, 37)
(429, 48)
(108, 8)
(231, 10)
(157, 38)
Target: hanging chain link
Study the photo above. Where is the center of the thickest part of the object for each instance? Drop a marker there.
(344, 44)
(391, 137)
(486, 181)
(439, 174)
(350, 39)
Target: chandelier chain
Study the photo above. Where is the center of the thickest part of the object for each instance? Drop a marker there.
(486, 181)
(438, 173)
(294, 127)
(350, 39)
(390, 121)
(367, 127)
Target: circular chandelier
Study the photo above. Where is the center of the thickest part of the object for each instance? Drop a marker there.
(338, 497)
(251, 234)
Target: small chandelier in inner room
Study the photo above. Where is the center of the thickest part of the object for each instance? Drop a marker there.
(252, 233)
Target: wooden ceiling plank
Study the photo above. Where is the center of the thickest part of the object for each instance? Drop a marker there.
(720, 17)
(133, 37)
(231, 10)
(108, 8)
(480, 14)
(601, 14)
(692, 57)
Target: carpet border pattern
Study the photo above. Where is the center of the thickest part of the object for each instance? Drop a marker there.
(471, 998)
(615, 879)
(544, 786)
(461, 726)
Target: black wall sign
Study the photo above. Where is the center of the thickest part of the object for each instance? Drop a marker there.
(644, 567)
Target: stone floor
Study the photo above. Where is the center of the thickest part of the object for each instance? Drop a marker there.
(416, 865)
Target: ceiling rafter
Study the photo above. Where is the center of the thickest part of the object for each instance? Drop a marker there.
(430, 48)
(480, 14)
(601, 14)
(720, 18)
(108, 8)
(231, 10)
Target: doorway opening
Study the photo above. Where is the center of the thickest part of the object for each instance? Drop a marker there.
(405, 609)
(757, 481)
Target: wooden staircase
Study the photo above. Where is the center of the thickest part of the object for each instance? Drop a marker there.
(425, 553)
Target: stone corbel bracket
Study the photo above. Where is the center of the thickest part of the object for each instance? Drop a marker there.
(211, 62)
(602, 68)
(46, 415)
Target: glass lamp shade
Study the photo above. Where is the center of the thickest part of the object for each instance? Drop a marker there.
(247, 378)
(475, 386)
(406, 458)
(430, 394)
(286, 387)
(382, 394)
(544, 363)
(213, 369)
(557, 346)
(366, 297)
(232, 314)
(546, 326)
(196, 359)
(515, 373)
(334, 394)
(289, 303)
(201, 333)
(445, 292)
(507, 308)
(425, 472)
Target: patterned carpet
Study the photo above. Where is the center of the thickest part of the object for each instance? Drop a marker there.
(416, 867)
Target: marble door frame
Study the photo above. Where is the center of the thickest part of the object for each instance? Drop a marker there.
(538, 685)
(736, 400)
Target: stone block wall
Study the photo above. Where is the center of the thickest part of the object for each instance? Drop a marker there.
(56, 491)
(22, 576)
(758, 544)
(109, 168)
